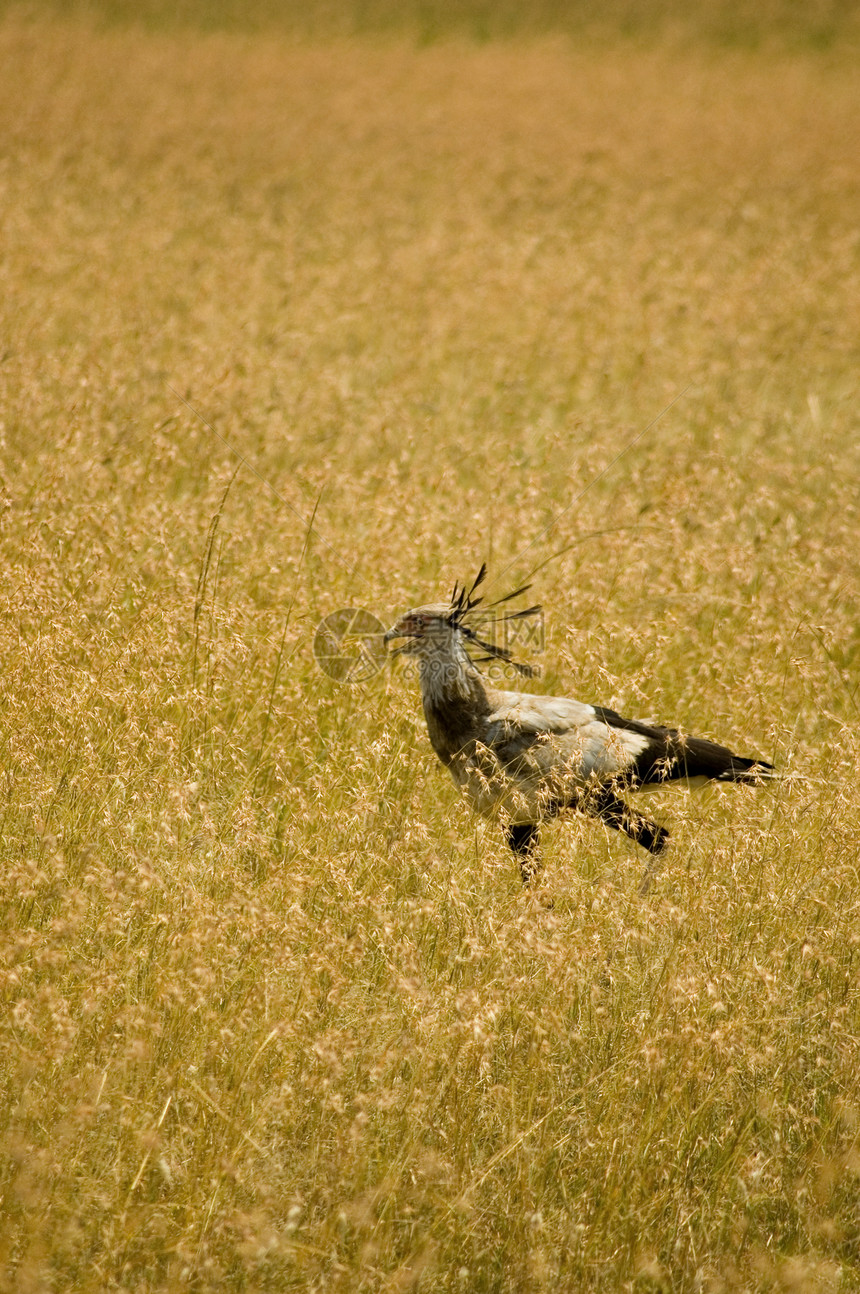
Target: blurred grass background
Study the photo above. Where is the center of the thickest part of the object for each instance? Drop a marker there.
(816, 25)
(276, 1012)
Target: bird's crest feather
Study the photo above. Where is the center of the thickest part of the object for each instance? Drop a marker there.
(464, 606)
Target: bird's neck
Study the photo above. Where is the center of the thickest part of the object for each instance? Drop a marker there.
(454, 696)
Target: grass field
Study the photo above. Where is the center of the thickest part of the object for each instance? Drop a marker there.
(276, 1013)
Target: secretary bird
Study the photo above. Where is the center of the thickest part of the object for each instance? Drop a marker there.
(524, 758)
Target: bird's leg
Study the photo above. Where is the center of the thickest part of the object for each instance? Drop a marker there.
(524, 839)
(647, 878)
(612, 810)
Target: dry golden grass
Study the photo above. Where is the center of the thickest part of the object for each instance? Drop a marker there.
(815, 25)
(276, 1014)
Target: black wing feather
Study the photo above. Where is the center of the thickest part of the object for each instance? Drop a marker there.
(671, 755)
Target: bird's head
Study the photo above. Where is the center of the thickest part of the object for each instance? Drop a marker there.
(433, 630)
(424, 630)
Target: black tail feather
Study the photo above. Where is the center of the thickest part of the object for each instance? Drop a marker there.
(671, 755)
(682, 756)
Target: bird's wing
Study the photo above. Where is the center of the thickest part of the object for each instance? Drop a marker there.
(549, 734)
(555, 735)
(529, 712)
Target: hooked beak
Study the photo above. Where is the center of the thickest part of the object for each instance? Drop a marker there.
(397, 632)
